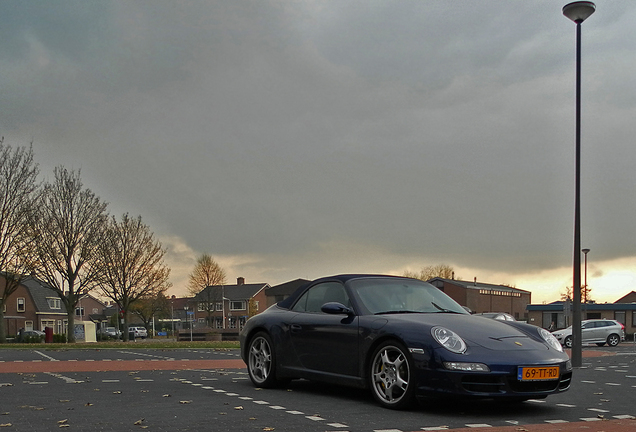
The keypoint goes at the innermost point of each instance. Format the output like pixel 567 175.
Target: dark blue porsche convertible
pixel 401 338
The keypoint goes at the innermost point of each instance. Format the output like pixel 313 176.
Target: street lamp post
pixel 585 252
pixel 577 12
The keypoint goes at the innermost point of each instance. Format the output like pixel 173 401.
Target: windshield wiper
pixel 398 312
pixel 443 310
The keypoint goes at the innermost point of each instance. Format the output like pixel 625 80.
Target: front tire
pixel 261 361
pixel 391 376
pixel 568 342
pixel 613 340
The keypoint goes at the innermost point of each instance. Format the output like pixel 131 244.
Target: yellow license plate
pixel 538 373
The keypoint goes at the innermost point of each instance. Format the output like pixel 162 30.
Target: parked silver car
pixel 139 332
pixel 598 331
pixel 111 332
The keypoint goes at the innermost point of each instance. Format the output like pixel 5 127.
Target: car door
pixel 325 342
pixel 588 330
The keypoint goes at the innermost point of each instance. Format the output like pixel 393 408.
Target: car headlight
pixel 449 339
pixel 552 341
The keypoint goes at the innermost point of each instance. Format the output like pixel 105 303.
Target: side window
pixel 320 294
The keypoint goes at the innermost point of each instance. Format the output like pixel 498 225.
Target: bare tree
pixel 68 224
pixel 146 308
pixel 130 265
pixel 207 273
pixel 443 271
pixel 18 188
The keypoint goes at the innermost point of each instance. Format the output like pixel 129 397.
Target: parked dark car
pixel 30 336
pixel 401 338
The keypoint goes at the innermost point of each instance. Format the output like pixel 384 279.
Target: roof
pixel 40 291
pixel 343 278
pixel 286 288
pixel 559 306
pixel 629 298
pixel 480 285
pixel 230 292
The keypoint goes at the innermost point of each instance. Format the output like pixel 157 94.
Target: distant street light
pixel 577 12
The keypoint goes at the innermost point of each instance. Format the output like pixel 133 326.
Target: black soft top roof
pixel 343 278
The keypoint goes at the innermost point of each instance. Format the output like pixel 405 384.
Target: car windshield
pixel 390 296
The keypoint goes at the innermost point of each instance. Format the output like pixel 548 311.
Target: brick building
pixel 482 297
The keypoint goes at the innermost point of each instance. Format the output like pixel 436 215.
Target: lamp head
pixel 585 251
pixel 579 11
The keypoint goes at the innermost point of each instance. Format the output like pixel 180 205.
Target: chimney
pixel 475 280
pixel 240 281
pixel 453 276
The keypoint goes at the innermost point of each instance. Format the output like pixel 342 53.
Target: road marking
pixel 556 421
pixel 476 425
pixel 110 380
pixel 624 417
pixel 45 356
pixel 566 405
pixel 590 419
pixel 315 418
pixel 598 410
pixel 62 377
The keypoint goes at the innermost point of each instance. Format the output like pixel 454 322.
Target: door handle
pixel 296 328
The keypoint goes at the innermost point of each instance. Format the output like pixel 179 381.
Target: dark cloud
pixel 318 137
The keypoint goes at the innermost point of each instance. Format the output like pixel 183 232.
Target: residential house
pixel 280 292
pixel 227 307
pixel 483 297
pixel 34 306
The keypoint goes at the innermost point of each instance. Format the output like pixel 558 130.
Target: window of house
pixel 219 306
pixel 232 322
pixel 620 317
pixel 201 320
pixel 79 311
pixel 47 323
pixel 218 322
pixel 242 321
pixel 95 311
pixel 54 303
pixel 28 325
pixel 237 305
pixel 21 307
pixel 201 307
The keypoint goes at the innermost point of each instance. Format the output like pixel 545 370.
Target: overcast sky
pixel 299 139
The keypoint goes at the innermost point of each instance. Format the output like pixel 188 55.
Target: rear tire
pixel 261 361
pixel 568 342
pixel 613 340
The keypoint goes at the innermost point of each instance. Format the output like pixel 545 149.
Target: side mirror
pixel 335 308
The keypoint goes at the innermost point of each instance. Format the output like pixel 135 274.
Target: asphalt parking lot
pixel 182 390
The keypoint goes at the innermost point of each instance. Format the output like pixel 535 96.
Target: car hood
pixel 475 330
